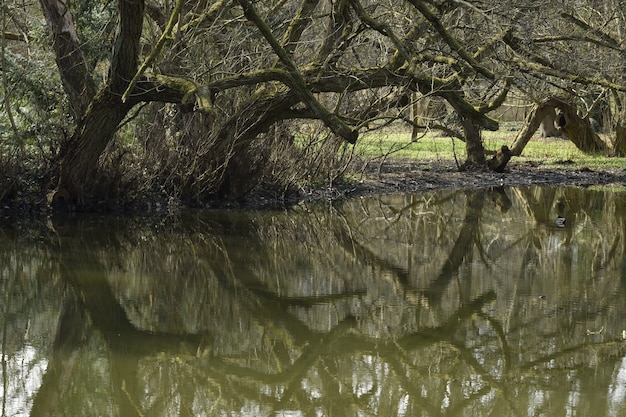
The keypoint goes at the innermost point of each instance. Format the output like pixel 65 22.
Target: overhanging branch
pixel 178 90
pixel 450 40
pixel 167 33
pixel 295 80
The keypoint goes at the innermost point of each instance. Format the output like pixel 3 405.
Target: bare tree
pixel 234 72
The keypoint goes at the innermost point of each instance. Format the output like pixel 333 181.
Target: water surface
pixel 452 303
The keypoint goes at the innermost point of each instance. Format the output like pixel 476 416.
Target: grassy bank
pixel 548 152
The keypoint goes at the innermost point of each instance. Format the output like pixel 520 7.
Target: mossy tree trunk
pixel 100 112
pixel 574 127
pixel 100 120
pixel 475 150
pixel 579 130
pixel 80 155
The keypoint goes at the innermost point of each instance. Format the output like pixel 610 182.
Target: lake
pixel 496 302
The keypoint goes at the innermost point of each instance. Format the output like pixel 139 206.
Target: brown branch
pixel 499 98
pixel 295 80
pixel 10 36
pixel 535 64
pixel 338 36
pixel 381 28
pixel 207 17
pixel 535 68
pixel 299 23
pixel 571 38
pixel 157 48
pixel 583 25
pixel 450 40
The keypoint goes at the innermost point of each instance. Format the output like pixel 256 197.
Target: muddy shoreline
pixel 392 176
pixel 402 176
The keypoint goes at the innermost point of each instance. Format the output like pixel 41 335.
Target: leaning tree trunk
pixel 547 128
pixel 574 127
pixel 99 120
pixel 81 154
pixel 579 130
pixel 533 121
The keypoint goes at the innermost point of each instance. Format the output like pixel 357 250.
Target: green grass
pixel 549 152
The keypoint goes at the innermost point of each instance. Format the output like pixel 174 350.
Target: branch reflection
pixel 450 303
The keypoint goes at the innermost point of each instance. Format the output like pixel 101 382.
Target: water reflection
pixel 441 304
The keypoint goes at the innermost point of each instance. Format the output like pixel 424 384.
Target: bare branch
pixel 450 40
pixel 10 36
pixel 157 48
pixel 608 40
pixel 299 23
pixel 295 80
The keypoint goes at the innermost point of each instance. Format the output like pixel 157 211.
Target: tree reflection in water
pixel 451 303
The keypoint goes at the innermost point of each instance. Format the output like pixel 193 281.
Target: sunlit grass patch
pixel 550 152
pixel 430 146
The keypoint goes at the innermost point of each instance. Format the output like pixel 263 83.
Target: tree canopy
pixel 207 99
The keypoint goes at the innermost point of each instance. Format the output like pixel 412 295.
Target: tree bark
pixel 579 130
pixel 73 67
pixel 127 47
pixel 498 162
pixel 473 144
pixel 619 146
pixel 81 154
pixel 100 119
pixel 547 128
pixel 574 127
pixel 532 123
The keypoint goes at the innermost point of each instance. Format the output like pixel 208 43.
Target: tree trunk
pixel 547 127
pixel 73 67
pixel 532 123
pixel 98 116
pixel 577 129
pixel 619 146
pixel 473 144
pixel 81 154
pixel 500 159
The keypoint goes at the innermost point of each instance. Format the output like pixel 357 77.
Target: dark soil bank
pixel 393 176
pixel 414 176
